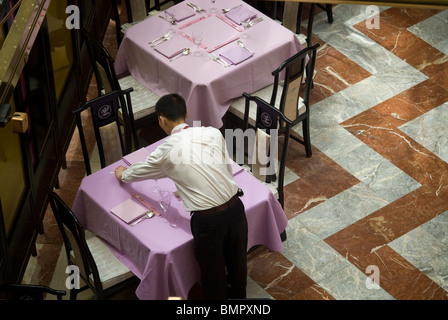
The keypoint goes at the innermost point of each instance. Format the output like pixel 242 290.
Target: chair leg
pixel 299 17
pixel 117 21
pixel 73 294
pixel 306 137
pixel 329 9
pixel 283 235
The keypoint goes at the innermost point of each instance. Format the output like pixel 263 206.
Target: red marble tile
pixel 334 72
pixel 365 236
pixel 315 292
pixel 320 179
pixel 400 278
pixel 280 278
pixel 356 241
pixel 393 21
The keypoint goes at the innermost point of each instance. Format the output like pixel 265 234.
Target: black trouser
pixel 221 242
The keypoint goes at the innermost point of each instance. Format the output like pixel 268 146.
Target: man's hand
pixel 118 172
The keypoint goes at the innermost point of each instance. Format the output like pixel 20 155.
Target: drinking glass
pixel 197 39
pixel 170 17
pixel 165 203
pixel 156 187
pixel 213 9
pixel 245 19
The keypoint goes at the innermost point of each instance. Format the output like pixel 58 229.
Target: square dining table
pixel 208 87
pixel 160 255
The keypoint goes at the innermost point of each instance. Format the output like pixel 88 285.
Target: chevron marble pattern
pixel 372 202
pixel 368 212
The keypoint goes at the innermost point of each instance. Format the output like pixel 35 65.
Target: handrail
pixel 436 4
pixel 5 18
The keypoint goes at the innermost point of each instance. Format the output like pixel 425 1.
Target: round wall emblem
pixel 105 111
pixel 266 119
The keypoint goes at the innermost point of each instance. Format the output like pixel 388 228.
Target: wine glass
pixel 213 9
pixel 197 39
pixel 156 187
pixel 245 19
pixel 170 17
pixel 165 203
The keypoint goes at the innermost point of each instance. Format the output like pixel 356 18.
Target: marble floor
pixel 368 213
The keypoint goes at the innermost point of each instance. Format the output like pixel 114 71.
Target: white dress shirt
pixel 196 159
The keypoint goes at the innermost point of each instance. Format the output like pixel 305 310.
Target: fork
pixel 216 59
pixel 160 38
pixel 195 7
pixel 163 39
pixel 254 22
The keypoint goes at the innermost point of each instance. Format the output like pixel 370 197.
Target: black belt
pixel 219 208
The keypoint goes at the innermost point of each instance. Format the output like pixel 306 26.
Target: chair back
pixel 76 248
pixel 267 123
pixel 111 141
pixel 310 18
pixel 102 64
pixel 297 75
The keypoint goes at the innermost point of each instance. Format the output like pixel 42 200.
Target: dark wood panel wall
pixel 52 125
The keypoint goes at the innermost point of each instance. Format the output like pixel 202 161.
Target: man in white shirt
pixel 196 159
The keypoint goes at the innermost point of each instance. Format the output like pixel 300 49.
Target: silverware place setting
pixel 147 215
pixel 172 21
pixel 184 52
pixel 194 7
pixel 162 39
pixel 240 43
pixel 217 59
pixel 227 10
pixel 254 22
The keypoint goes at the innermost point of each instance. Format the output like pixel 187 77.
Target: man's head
pixel 171 110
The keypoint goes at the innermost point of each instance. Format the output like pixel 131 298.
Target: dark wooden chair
pixel 143 99
pixel 115 136
pixel 99 269
pixel 28 292
pixel 289 94
pixel 307 39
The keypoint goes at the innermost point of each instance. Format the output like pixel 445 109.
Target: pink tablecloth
pixel 162 256
pixel 207 87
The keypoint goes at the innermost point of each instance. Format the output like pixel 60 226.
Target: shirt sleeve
pixel 152 168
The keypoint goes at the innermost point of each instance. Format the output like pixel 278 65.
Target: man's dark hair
pixel 171 106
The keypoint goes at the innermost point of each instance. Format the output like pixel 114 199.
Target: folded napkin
pixel 235 14
pixel 129 211
pixel 169 48
pixel 236 55
pixel 181 13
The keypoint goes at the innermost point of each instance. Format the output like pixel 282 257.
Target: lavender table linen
pixel 207 87
pixel 162 257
